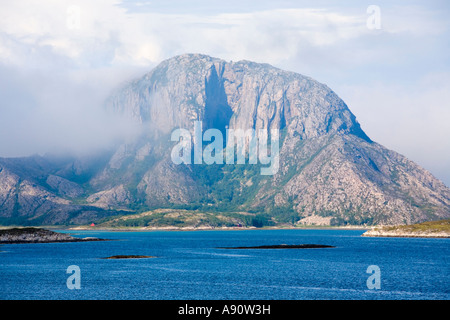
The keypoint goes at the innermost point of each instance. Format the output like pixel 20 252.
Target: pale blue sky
pixel 60 59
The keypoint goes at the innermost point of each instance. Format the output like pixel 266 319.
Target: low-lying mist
pixel 61 112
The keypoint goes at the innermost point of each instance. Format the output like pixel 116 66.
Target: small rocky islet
pixel 283 246
pixel 130 256
pixel 38 235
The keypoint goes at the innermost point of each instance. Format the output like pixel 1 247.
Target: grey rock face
pixel 330 170
pixel 115 197
pixel 9 184
pixel 27 198
pixel 328 165
pixel 352 180
pixel 36 235
pixel 239 95
pixel 22 197
pixel 64 186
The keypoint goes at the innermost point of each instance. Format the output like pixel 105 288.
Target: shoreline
pixel 372 231
pixel 38 235
pixel 200 228
pixel 399 234
pixel 149 229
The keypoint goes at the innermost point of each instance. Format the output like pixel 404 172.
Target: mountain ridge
pixel 328 167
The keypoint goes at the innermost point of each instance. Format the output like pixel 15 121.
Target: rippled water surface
pixel 189 265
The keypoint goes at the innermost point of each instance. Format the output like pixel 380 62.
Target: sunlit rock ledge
pixel 431 229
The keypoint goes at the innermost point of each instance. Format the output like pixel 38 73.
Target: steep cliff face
pixel 328 165
pixel 240 95
pixel 37 191
pixel 23 198
pixel 329 169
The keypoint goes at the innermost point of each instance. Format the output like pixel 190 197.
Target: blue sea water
pixel 189 265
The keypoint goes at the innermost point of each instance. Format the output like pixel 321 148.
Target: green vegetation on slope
pixel 429 226
pixel 186 218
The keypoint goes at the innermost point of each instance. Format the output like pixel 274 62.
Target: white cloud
pixel 120 37
pixel 134 38
pixel 388 77
pixel 415 20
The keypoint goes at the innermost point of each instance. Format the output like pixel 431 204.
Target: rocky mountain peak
pixel 330 171
pixel 239 94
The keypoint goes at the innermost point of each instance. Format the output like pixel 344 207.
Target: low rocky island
pixel 38 235
pixel 283 246
pixel 129 257
pixel 430 229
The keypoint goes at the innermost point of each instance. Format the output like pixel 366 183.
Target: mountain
pixel 329 171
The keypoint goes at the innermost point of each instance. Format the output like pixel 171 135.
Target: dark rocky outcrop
pixel 284 246
pixel 128 257
pixel 38 235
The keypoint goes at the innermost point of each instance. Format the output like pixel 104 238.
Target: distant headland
pixel 430 229
pixel 38 235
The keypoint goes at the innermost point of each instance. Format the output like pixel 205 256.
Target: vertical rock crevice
pixel 217 112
